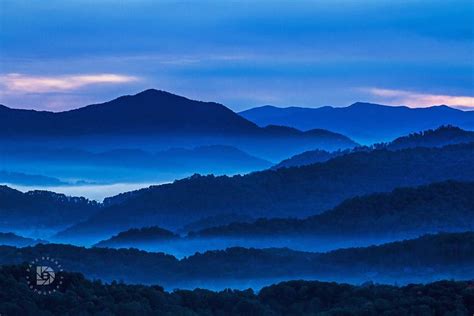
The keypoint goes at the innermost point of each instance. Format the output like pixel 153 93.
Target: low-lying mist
pixel 95 192
pixel 184 247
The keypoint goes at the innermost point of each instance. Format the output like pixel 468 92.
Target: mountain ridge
pixel 134 113
pixel 429 257
pixel 39 208
pixel 151 234
pixel 444 206
pixel 297 191
pixel 12 239
pixel 369 122
pixel 159 119
pixel 441 136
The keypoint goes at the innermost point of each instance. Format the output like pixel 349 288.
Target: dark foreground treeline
pixel 83 297
pixel 425 259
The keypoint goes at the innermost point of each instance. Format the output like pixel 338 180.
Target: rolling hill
pixel 295 192
pixel 442 136
pixel 309 157
pixel 42 209
pixel 428 258
pixel 27 179
pixel 437 207
pixel 133 236
pixel 11 239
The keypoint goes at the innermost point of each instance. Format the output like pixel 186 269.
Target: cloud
pixel 415 99
pixel 19 83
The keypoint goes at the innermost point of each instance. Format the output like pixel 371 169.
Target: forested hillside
pixel 295 192
pixel 445 206
pixel 428 258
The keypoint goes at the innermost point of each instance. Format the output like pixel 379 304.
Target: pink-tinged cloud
pixel 44 84
pixel 414 99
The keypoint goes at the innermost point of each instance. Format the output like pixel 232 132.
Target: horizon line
pixel 454 107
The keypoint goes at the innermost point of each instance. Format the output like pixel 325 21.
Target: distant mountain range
pixel 296 192
pixel 406 212
pixel 425 259
pixel 442 136
pixel 159 120
pixel 365 122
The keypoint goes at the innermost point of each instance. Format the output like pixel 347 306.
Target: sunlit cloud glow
pixel 414 99
pixel 44 84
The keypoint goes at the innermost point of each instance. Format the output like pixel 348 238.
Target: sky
pixel 57 55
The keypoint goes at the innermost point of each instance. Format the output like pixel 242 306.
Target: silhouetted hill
pixel 159 119
pixel 286 298
pixel 35 209
pixel 11 239
pixel 27 179
pixel 445 206
pixel 308 158
pixel 297 192
pixel 424 259
pixel 442 136
pixel 365 122
pixel 149 111
pixel 142 235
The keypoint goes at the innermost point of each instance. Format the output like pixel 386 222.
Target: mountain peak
pixel 149 98
pixel 368 105
pixel 151 90
pixel 444 107
pixel 155 111
pixel 363 104
pixel 156 93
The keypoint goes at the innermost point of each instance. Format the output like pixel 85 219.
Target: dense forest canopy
pixel 445 206
pixel 426 258
pixel 81 296
pixel 144 234
pixel 42 208
pixel 441 136
pixel 299 191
